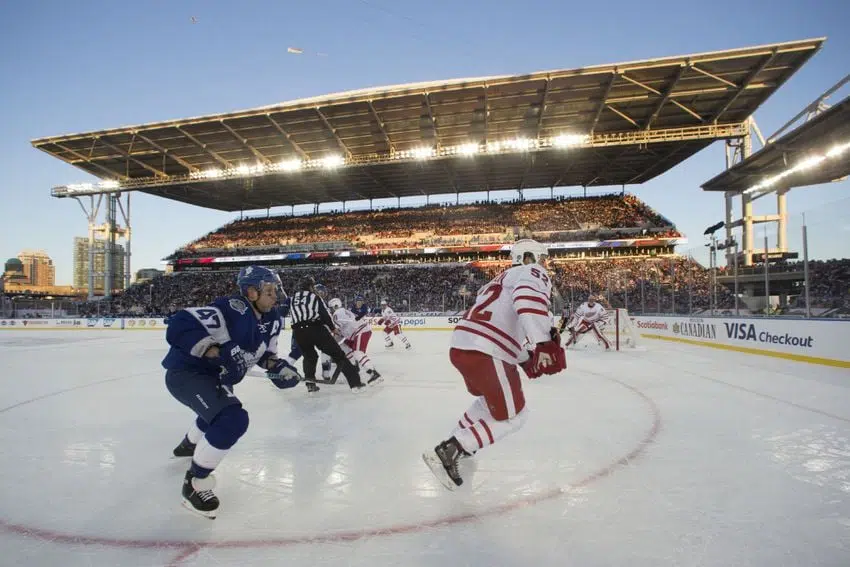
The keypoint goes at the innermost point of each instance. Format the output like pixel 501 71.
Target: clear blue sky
pixel 79 66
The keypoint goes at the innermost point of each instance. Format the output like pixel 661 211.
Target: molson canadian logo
pixel 695 329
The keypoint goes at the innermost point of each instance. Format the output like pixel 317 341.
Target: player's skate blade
pixel 438 470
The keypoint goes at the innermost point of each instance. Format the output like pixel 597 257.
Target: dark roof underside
pixel 643 118
pixel 815 137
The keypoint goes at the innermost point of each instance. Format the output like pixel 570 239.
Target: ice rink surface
pixel 671 455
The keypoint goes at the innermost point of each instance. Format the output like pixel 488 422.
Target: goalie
pixel 589 316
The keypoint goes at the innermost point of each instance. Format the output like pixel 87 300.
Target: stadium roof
pixel 816 152
pixel 605 125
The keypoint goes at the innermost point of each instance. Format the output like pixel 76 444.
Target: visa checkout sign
pixel 819 341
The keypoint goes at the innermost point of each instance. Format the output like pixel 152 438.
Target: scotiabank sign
pixel 650 324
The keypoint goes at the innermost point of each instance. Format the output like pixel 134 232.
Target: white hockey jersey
pixel 512 308
pixel 349 326
pixel 590 314
pixel 389 318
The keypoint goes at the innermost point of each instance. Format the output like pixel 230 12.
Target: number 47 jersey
pixel 510 310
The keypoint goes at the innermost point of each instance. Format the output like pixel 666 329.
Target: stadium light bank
pixel 330 162
pixel 809 163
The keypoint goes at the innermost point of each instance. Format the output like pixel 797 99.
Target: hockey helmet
pixel 384 302
pixel 335 303
pixel 526 246
pixel 321 290
pixel 306 283
pixel 256 276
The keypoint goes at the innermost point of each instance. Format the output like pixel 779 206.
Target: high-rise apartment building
pixel 38 268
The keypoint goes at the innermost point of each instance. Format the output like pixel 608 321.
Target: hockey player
pixel 313 328
pixel 211 350
pixel 294 350
pixel 590 316
pixel 485 347
pixel 354 337
pixel 360 309
pixel 392 326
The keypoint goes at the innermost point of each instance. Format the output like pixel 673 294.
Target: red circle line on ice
pixel 188 548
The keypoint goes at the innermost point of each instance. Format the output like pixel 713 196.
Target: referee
pixel 310 327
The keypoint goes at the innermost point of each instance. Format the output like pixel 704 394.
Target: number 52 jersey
pixel 512 308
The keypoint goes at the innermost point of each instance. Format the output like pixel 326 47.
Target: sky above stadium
pixel 73 67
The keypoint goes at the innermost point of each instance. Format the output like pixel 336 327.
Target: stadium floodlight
pixel 289 165
pixel 809 163
pixel 212 173
pixel 467 149
pixel 569 140
pixel 493 147
pixel 333 161
pixel 423 152
pixel 836 151
pixel 243 170
pixel 521 144
pixel 109 184
pixel 79 188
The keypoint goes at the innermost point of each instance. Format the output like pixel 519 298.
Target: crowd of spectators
pixel 562 219
pixel 640 284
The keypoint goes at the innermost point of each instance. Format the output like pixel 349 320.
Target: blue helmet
pixel 256 276
pixel 321 289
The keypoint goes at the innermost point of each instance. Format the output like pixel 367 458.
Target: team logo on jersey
pixel 264 327
pixel 238 305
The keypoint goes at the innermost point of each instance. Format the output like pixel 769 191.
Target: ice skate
pixel 375 377
pixel 311 387
pixel 184 449
pixel 198 495
pixel 443 462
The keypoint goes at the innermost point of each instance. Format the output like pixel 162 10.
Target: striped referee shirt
pixel 307 308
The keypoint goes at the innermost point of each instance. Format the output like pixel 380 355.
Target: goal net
pixel 617 329
pixel 620 331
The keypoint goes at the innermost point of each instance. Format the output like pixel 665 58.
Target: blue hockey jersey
pixel 359 312
pixel 192 331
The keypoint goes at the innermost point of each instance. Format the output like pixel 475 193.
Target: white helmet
pixel 527 246
pixel 384 302
pixel 335 303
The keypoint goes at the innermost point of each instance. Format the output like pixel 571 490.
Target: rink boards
pixel 821 341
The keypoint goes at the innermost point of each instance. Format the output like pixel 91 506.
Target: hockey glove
pixel 528 366
pixel 548 358
pixel 232 359
pixel 282 374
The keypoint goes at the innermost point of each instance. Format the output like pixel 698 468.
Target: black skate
pixel 198 495
pixel 311 387
pixel 184 449
pixel 375 378
pixel 443 462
